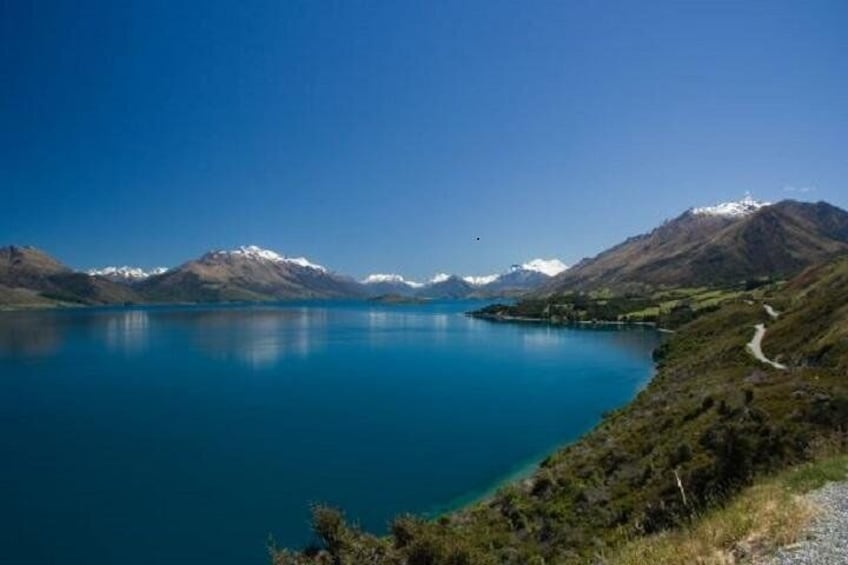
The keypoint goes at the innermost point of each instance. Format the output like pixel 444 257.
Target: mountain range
pixel 30 277
pixel 720 245
pixel 517 280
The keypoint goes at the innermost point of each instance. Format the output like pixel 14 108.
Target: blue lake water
pixel 189 434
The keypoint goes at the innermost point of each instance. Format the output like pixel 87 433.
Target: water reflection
pixel 635 342
pixel 28 334
pixel 440 322
pixel 257 338
pixel 383 326
pixel 378 320
pixel 541 338
pixel 128 332
pixel 261 336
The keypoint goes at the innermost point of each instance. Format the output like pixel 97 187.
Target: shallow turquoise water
pixel 188 435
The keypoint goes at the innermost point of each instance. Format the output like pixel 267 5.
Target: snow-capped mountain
pixel 446 286
pixel 125 273
pixel 550 267
pixel 380 284
pixel 520 276
pixel 390 278
pixel 720 245
pixel 737 209
pixel 482 280
pixel 257 253
pixel 249 273
pixel 726 244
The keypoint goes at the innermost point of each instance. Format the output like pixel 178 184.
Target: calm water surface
pixel 188 435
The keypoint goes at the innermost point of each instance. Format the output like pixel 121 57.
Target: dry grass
pixel 761 519
pixel 766 516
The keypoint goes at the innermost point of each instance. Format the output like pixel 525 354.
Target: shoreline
pixel 519 473
pixel 525 471
pixel 565 323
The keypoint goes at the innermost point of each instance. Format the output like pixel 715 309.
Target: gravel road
pixel 827 539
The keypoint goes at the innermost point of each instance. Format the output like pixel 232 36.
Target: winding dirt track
pixel 771 311
pixel 755 346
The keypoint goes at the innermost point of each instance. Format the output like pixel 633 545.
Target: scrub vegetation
pixel 667 308
pixel 712 423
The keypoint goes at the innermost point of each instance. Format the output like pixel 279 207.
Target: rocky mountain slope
pixel 248 273
pixel 719 245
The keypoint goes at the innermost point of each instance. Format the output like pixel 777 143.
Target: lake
pixel 191 434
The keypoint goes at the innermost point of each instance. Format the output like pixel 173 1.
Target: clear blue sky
pixel 388 136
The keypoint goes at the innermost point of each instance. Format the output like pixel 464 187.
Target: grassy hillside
pixel 13 298
pixel 711 421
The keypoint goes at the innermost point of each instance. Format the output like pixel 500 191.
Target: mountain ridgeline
pixel 717 246
pixel 29 277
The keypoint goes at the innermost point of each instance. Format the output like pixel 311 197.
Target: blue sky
pixel 388 136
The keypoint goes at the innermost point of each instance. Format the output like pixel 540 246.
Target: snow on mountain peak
pixel 737 209
pixel 550 267
pixel 381 278
pixel 389 278
pixel 126 272
pixel 481 281
pixel 304 262
pixel 257 253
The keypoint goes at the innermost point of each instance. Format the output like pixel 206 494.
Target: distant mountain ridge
pixel 381 284
pixel 517 280
pixel 719 245
pixel 247 273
